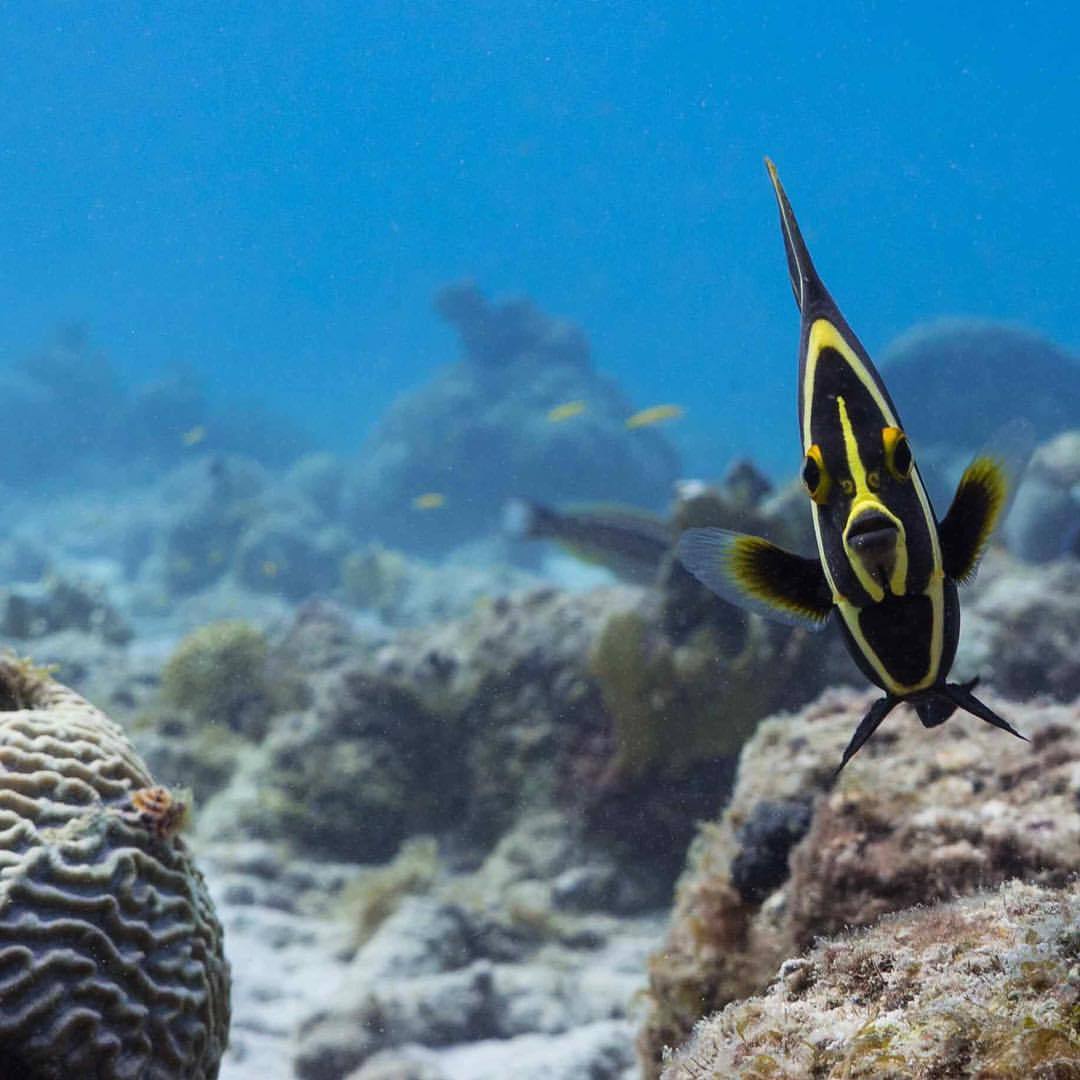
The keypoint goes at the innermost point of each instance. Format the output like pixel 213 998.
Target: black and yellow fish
pixel 886 569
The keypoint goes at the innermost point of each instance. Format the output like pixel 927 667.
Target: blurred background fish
pixel 430 500
pixel 567 411
pixel 655 414
pixel 631 543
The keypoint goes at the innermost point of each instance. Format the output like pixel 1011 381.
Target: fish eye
pixel 873 480
pixel 847 486
pixel 897 452
pixel 815 476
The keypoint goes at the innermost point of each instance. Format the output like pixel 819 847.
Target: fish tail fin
pixel 936 710
pixel 966 700
pixel 867 726
pixel 524 520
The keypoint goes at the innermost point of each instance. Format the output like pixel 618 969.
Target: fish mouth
pixel 872 535
pixel 874 541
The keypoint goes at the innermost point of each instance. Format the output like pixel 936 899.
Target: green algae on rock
pixel 986 986
pixel 111 955
pixel 219 673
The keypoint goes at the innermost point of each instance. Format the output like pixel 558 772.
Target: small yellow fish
pixel 270 568
pixel 567 411
pixel 656 414
pixel 430 500
pixel 194 436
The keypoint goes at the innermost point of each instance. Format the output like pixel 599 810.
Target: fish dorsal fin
pixel 983 498
pixel 752 573
pixel 805 283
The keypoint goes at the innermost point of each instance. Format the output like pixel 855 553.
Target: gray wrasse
pixel 886 568
pixel 631 543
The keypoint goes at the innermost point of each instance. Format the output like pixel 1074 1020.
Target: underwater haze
pixel 432 437
pixel 271 194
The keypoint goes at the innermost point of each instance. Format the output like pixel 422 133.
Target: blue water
pixel 271 193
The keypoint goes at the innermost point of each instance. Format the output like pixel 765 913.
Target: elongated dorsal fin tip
pixel 804 278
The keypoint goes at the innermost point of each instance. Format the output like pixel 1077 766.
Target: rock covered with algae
pixel 986 986
pixel 918 818
pixel 111 959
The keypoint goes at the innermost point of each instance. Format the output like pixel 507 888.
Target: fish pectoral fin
pixel 753 573
pixel 867 726
pixel 983 498
pixel 967 701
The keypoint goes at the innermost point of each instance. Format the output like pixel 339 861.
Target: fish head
pixel 875 528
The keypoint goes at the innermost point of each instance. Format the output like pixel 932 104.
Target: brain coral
pixel 111 962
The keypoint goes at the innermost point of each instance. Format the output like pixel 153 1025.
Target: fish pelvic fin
pixel 983 498
pixel 867 726
pixel 805 283
pixel 752 573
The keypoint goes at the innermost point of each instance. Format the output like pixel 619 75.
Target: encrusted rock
pixel 987 986
pixel 111 961
pixel 917 817
pixel 1020 628
pixel 1044 522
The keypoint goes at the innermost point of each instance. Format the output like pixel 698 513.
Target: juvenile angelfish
pixel 886 568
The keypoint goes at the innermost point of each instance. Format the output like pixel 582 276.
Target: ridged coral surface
pixel 111 961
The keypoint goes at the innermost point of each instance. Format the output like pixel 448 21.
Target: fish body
pixel 631 543
pixel 655 414
pixel 886 568
pixel 566 411
pixel 430 500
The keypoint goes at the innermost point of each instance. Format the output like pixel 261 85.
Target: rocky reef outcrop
pixel 1044 522
pixel 72 415
pixel 480 433
pixel 957 381
pixel 985 986
pixel 918 818
pixel 111 959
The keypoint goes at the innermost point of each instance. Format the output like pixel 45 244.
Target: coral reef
pixel 928 815
pixel 34 611
pixel 219 673
pixel 375 577
pixel 210 502
pixel 478 434
pixel 485 969
pixel 290 553
pixel 71 416
pixel 110 949
pixel 997 371
pixel 318 478
pixel 364 767
pixel 674 705
pixel 985 986
pixel 1044 522
pixel 377 893
pixel 1021 624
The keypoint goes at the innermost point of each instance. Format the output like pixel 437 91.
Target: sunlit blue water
pixel 271 193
